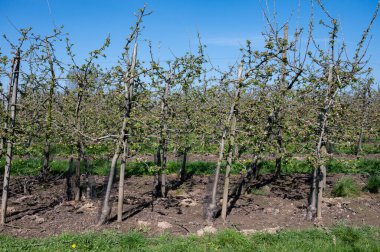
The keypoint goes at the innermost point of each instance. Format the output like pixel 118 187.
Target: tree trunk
pixel 254 168
pixel 46 162
pixel 278 113
pixel 123 141
pixel 1 147
pixel 121 183
pixel 278 165
pixel 311 210
pixel 106 208
pixel 157 175
pixel 359 145
pixel 322 168
pixel 319 173
pixel 280 149
pixel 211 211
pixel 2 140
pixel 321 187
pixel 161 189
pixel 318 177
pixel 157 157
pixel 77 187
pixel 6 108
pixel 69 174
pixel 163 169
pixel 10 137
pixel 182 172
pixel 364 118
pixel 228 167
pixel 125 130
pixel 90 181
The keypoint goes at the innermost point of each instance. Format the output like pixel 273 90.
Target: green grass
pixel 373 184
pixel 340 238
pixel 346 187
pixel 369 166
pixel 101 167
pixel 367 148
pixel 32 166
pixel 290 166
pixel 36 150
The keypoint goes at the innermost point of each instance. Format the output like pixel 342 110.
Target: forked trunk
pixel 212 208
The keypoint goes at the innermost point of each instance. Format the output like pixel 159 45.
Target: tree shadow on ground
pixel 242 187
pixel 133 211
pixel 20 214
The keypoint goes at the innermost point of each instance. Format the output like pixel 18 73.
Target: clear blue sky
pixel 224 25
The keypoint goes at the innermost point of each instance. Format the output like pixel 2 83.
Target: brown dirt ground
pixel 214 158
pixel 43 211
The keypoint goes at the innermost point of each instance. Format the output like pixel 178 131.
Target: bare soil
pixel 37 210
pixel 214 158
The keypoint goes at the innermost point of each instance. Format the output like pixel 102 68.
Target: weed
pixel 373 184
pixel 346 187
pixel 263 191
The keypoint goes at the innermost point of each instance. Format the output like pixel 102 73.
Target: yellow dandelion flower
pixel 73 246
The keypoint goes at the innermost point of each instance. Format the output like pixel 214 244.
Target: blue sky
pixel 224 25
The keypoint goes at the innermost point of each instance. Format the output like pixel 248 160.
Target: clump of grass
pixel 373 184
pixel 200 167
pixel 179 191
pixel 230 239
pixel 263 191
pixel 346 187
